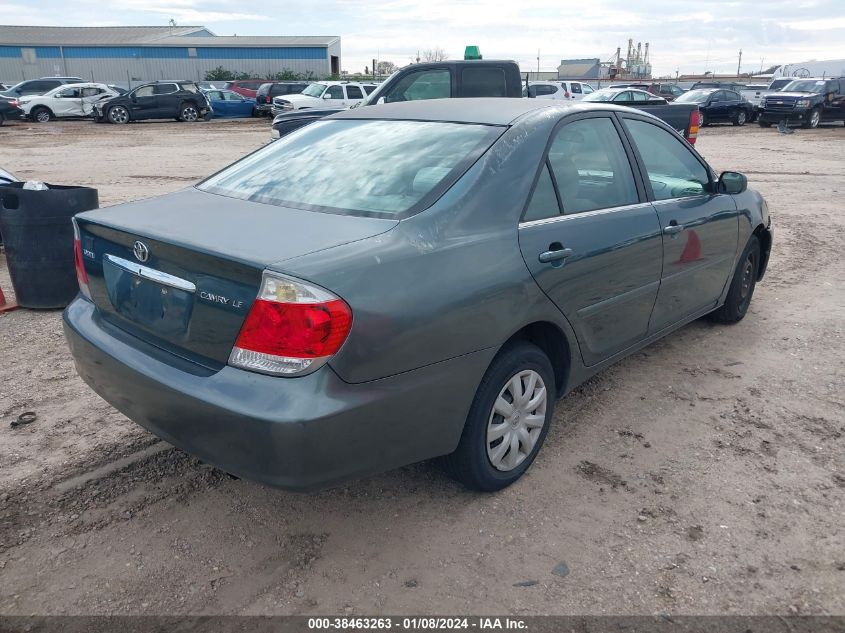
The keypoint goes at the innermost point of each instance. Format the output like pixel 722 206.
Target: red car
pixel 245 87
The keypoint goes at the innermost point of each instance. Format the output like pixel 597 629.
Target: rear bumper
pixel 295 433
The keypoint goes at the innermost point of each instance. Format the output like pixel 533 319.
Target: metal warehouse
pixel 144 53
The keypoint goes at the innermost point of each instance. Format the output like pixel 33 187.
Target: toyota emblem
pixel 142 253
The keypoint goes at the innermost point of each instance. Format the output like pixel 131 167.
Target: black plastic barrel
pixel 38 238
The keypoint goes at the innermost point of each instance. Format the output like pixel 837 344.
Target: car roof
pixel 483 110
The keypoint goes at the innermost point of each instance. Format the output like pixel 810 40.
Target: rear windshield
pixel 361 167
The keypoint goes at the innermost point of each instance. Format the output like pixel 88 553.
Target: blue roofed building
pixel 121 54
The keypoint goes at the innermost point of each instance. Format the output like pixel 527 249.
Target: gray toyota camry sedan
pixel 407 281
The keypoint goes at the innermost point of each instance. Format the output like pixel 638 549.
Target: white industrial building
pixel 121 54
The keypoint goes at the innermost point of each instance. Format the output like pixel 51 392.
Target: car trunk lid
pixel 182 271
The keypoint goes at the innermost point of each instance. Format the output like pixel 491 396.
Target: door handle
pixel 555 255
pixel 673 229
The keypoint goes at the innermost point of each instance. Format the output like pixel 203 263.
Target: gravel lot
pixel 704 474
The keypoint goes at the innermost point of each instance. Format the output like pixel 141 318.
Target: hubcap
pixel 814 118
pixel 189 114
pixel 516 420
pixel 118 115
pixel 747 276
pixel 42 117
pixel 741 118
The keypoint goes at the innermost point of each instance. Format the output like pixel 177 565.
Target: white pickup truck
pixel 756 93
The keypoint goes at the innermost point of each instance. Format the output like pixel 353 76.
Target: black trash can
pixel 38 238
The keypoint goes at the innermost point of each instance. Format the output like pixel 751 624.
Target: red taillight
pixel 694 124
pixel 79 263
pixel 566 94
pixel 291 329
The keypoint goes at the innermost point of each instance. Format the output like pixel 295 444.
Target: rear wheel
pixel 702 120
pixel 740 118
pixel 41 115
pixel 508 420
pixel 118 114
pixel 742 285
pixel 2 118
pixel 189 112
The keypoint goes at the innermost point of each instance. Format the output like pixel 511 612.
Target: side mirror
pixel 326 95
pixel 58 95
pixel 380 100
pixel 732 182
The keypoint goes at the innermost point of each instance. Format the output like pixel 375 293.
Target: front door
pixel 67 102
pixel 143 102
pixel 590 238
pixel 700 229
pixel 334 97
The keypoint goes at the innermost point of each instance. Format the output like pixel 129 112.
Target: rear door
pixel 354 94
pixel 591 239
pixel 577 93
pixel 482 81
pixel 167 100
pixel 700 229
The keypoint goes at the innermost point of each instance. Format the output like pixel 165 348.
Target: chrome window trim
pixel 152 274
pixel 581 214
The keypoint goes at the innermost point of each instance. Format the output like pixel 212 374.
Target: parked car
pixel 225 103
pixel 4 86
pixel 6 177
pixel 180 100
pixel 557 90
pixel 807 102
pixel 668 91
pixel 755 94
pixel 268 91
pixel 245 87
pixel 623 96
pixel 300 318
pixel 325 94
pixel 69 100
pixel 719 106
pixel 9 110
pixel 724 85
pixel 38 86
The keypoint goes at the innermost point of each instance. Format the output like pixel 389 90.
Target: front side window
pixel 233 96
pixel 483 82
pixel 70 93
pixel 425 84
pixel 335 92
pixel 310 168
pixel 590 166
pixel 673 170
pixel 144 91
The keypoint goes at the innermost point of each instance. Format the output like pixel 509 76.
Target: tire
pixel 479 462
pixel 740 118
pixel 189 113
pixel 813 121
pixel 742 286
pixel 764 124
pixel 118 115
pixel 2 119
pixel 41 115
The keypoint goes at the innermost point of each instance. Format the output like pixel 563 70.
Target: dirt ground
pixel 704 474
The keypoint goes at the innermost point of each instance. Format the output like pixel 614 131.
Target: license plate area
pixel 156 301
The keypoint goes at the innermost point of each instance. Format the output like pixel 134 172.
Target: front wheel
pixel 118 114
pixel 508 420
pixel 813 120
pixel 188 112
pixel 41 115
pixel 742 285
pixel 740 118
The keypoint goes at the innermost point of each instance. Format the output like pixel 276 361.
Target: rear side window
pixel 369 89
pixel 673 170
pixel 190 88
pixel 590 166
pixel 576 88
pixel 164 89
pixel 228 85
pixel 544 200
pixel 310 169
pixel 483 82
pixel 354 92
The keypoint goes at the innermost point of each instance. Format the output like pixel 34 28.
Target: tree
pixel 219 74
pixel 386 68
pixel 436 54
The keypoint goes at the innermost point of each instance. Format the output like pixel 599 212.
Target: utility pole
pixel 739 63
pixel 538 63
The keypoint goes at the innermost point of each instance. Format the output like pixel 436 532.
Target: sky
pixel 684 36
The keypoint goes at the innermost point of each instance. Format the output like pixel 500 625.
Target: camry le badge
pixel 142 253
